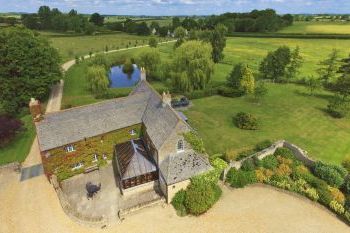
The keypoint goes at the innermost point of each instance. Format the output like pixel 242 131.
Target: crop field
pixel 318 28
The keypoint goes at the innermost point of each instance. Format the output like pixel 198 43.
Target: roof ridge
pixel 87 105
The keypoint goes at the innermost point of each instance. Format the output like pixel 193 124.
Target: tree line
pixel 53 19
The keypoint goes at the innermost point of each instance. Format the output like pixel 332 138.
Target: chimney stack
pixel 143 74
pixel 35 109
pixel 166 97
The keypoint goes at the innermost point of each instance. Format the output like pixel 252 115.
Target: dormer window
pixel 70 148
pixel 132 132
pixel 180 146
pixel 94 158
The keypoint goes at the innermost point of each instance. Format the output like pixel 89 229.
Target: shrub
pixel 337 195
pixel 179 202
pixel 263 175
pixel 283 160
pixel 246 121
pixel 9 127
pixel 201 196
pixel 336 207
pixel 346 185
pixel 230 92
pixel 283 170
pixel 195 141
pixel 263 145
pixel 282 182
pixel 285 152
pixel 299 172
pixel 240 178
pixel 311 193
pixel 244 154
pixel 269 162
pixel 338 107
pixel 248 165
pixel 346 163
pixel 347 216
pixel 332 174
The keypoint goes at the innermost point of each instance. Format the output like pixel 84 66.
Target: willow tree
pixel 97 79
pixel 192 66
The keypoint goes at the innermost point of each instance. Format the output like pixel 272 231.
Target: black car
pixel 183 102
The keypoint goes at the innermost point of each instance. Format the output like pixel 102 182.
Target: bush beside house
pixel 202 193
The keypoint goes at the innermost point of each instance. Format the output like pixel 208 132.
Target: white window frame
pixel 70 148
pixel 132 132
pixel 78 166
pixel 182 143
pixel 95 159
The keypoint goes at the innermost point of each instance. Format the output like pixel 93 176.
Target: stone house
pixel 144 134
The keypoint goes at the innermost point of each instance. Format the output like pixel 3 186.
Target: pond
pixel 120 79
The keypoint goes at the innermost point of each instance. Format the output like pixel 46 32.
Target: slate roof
pixel 143 105
pixel 182 166
pixel 133 159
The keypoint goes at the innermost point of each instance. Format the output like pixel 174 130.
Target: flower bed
pixel 326 184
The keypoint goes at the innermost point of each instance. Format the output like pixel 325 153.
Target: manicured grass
pixel 288 112
pixel 18 149
pixel 253 50
pixel 318 28
pixel 70 46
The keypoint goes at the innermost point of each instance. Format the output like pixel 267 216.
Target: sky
pixel 178 7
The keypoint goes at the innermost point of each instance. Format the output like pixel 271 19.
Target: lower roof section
pixel 182 166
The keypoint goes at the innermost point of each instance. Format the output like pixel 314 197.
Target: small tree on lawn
pixel 295 64
pixel 260 91
pixel 242 78
pixel 328 69
pixel 153 42
pixel 274 64
pixel 313 84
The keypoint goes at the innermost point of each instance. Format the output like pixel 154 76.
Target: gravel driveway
pixel 32 206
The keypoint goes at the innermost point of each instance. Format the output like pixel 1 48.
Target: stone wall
pixel 72 213
pixel 299 153
pixel 16 166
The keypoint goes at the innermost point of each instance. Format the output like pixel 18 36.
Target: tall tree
pixel 296 61
pixel 44 14
pixel 328 69
pixel 97 19
pixel 192 66
pixel 28 67
pixel 152 42
pixel 342 85
pixel 180 34
pixel 274 64
pixel 150 60
pixel 218 42
pixel 97 79
pixel 242 78
pixel 143 29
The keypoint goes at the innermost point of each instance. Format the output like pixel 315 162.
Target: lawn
pixel 288 112
pixel 318 28
pixel 18 149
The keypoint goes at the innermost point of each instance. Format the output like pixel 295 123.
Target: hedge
pixel 240 178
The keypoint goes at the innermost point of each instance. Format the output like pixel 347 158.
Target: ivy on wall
pixel 60 162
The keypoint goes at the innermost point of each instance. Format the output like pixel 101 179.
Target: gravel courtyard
pixel 32 206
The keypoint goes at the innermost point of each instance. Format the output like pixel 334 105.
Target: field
pixel 318 28
pixel 288 112
pixel 19 148
pixel 70 46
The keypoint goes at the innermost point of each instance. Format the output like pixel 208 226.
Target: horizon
pixel 178 7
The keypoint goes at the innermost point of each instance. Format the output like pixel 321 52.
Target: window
pixel 180 146
pixel 132 132
pixel 77 166
pixel 95 158
pixel 70 148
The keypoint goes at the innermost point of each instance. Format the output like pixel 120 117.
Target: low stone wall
pixel 72 213
pixel 299 153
